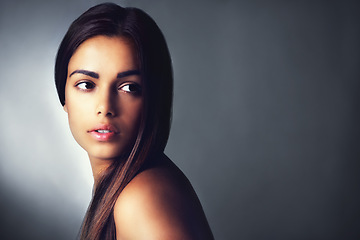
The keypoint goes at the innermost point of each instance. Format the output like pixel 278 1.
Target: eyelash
pixel 78 85
pixel 132 88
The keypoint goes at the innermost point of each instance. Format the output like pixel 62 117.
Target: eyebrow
pixel 96 75
pixel 128 73
pixel 86 72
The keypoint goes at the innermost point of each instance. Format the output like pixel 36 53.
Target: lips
pixel 103 132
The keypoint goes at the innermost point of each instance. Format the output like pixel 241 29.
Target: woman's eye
pixel 131 88
pixel 85 86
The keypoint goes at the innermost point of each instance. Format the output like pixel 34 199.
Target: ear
pixel 65 108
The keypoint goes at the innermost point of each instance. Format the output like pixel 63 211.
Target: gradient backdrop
pixel 266 117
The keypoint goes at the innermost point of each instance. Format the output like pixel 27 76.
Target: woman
pixel 114 78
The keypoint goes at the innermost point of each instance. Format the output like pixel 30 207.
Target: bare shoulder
pixel 160 203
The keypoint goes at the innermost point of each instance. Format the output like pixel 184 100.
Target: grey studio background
pixel 265 126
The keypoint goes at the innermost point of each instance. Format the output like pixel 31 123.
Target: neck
pixel 98 167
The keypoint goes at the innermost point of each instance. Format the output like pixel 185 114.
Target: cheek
pixel 78 114
pixel 75 119
pixel 131 114
pixel 77 104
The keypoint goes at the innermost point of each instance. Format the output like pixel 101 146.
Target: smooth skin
pixel 95 95
pixel 160 203
pixel 103 88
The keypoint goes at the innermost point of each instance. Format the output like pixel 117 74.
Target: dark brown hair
pixel 156 73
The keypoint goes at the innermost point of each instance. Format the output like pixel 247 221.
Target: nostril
pixel 106 109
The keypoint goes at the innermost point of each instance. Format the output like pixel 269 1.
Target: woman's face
pixel 103 96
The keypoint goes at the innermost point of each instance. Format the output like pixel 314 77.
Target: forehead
pixel 103 52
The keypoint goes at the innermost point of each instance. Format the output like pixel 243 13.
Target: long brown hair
pixel 156 73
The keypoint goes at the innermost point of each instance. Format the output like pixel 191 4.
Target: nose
pixel 106 104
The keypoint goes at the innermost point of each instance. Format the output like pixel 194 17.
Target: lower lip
pixel 103 137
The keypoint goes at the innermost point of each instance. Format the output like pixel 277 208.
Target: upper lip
pixel 103 126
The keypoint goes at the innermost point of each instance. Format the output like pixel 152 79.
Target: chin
pixel 104 155
pixel 107 153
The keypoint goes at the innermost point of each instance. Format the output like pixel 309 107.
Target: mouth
pixel 103 132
